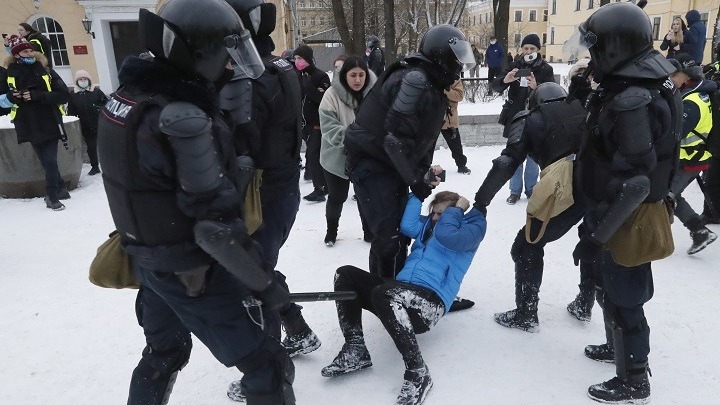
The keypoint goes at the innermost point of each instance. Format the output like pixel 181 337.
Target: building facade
pixel 113 32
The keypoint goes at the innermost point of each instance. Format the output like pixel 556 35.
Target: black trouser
pixel 338 189
pixel 90 138
pixel 394 303
pixel 683 210
pixel 626 290
pixel 47 154
pixel 312 159
pixel 712 188
pixel 492 72
pixel 528 257
pixel 217 318
pixel 382 196
pixel 452 137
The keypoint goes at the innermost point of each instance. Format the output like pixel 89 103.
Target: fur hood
pixel 38 56
pixel 344 95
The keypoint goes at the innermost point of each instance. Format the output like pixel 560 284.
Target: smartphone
pixel 441 175
pixel 430 176
pixel 522 73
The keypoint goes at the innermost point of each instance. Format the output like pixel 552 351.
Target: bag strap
pixel 528 224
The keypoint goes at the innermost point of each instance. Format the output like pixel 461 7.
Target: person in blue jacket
pixel 445 243
pixel 696 36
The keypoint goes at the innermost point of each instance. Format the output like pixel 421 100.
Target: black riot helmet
pixel 257 16
pixel 615 34
pixel 199 47
pixel 446 46
pixel 545 93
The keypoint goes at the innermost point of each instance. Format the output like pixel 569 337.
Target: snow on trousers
pixel 404 309
pixel 217 318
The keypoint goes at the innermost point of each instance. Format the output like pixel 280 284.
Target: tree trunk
pixel 390 45
pixel 715 52
pixel 342 25
pixel 501 10
pixel 358 24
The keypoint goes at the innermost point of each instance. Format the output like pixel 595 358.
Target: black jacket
pixel 517 95
pixel 312 80
pixel 376 60
pixel 37 120
pixel 86 106
pixel 364 138
pixel 3 89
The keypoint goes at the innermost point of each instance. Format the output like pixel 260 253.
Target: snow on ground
pixel 64 341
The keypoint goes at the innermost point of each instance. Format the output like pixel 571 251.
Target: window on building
pixel 544 38
pixel 491 17
pixel 552 35
pixel 518 16
pixel 656 28
pixel 517 39
pixel 54 32
pixel 554 6
pixel 704 19
pixel 322 20
pixel 312 21
pixel 577 5
pixel 591 4
pixel 301 4
pixel 532 17
pixel 545 14
pixel 303 21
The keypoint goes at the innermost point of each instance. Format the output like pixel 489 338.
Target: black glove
pixel 421 190
pixel 481 208
pixel 37 96
pixel 274 297
pixel 588 249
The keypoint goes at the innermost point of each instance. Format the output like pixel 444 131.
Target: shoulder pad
pixel 516 129
pixel 184 119
pixel 521 115
pixel 416 79
pixel 631 98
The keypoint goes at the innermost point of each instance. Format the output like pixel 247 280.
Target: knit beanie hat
pixel 81 74
pixel 18 44
pixel 304 52
pixel 683 62
pixel 531 39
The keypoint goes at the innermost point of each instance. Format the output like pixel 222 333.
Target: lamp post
pixel 87 24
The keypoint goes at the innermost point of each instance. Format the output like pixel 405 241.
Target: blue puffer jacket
pixel 441 264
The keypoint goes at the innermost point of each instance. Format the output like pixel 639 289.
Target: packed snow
pixel 64 341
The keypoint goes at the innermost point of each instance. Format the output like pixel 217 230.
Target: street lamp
pixel 87 24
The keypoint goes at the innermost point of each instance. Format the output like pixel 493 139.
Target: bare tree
pixel 501 9
pixel 390 46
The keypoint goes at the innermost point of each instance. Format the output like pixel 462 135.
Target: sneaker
pixel 352 357
pixel 460 304
pixel 603 353
pixel 236 392
pixel 415 388
pixel 634 390
pixel 315 196
pixel 54 205
pixel 513 199
pixel 464 170
pixel 517 319
pixel 302 343
pixel 93 171
pixel 701 239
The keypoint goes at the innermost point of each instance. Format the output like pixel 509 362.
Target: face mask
pixel 493 42
pixel 301 64
pixel 26 60
pixel 530 57
pixel 83 84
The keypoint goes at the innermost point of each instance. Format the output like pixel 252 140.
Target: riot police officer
pixel 391 143
pixel 267 115
pixel 549 131
pixel 627 158
pixel 168 164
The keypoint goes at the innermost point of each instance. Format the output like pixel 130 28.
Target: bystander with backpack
pixel 695 153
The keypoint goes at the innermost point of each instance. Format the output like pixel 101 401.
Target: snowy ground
pixel 64 341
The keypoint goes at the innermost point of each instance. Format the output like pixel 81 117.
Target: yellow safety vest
pixel 11 83
pixel 692 147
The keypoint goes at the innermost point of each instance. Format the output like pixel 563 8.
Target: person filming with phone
pixel 522 77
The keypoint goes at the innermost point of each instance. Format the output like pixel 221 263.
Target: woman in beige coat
pixel 337 110
pixel 450 129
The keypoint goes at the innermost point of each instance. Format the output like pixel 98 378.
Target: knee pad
pixel 154 377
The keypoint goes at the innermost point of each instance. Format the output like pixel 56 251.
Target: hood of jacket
pixel 343 93
pixel 692 17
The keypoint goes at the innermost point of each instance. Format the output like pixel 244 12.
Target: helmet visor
pixel 463 53
pixel 247 62
pixel 579 43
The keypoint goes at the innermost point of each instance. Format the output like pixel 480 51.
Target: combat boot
pixel 299 339
pixel 353 356
pixel 581 307
pixel 632 389
pixel 701 239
